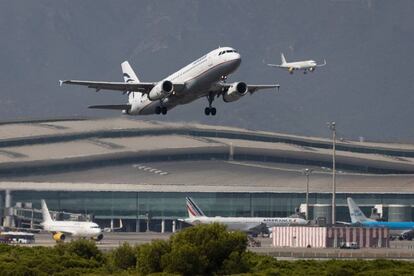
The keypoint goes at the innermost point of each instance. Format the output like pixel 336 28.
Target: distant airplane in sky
pixel 205 77
pixel 305 65
pixel 245 224
pixel 405 230
pixel 60 229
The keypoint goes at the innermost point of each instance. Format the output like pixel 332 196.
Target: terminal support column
pixel 8 211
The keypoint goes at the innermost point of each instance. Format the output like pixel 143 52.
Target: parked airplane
pixel 404 230
pixel 205 77
pixel 306 65
pixel 245 224
pixel 60 229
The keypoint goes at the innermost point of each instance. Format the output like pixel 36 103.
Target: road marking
pixel 149 169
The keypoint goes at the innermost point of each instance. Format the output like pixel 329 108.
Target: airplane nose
pixel 237 59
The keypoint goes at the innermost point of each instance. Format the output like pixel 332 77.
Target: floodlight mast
pixel 307 172
pixel 332 127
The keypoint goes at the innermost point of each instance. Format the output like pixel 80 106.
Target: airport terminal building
pixel 141 172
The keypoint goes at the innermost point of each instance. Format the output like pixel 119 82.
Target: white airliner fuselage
pixel 199 78
pixel 205 77
pixel 245 224
pixel 305 65
pixel 60 229
pixel 75 228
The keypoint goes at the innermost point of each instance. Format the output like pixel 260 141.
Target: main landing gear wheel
pixel 210 110
pixel 161 110
pixel 158 110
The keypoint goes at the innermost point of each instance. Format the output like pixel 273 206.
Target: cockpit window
pixel 227 51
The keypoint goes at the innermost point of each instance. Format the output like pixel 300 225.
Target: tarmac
pixel 399 250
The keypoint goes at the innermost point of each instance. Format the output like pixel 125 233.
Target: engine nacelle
pixel 161 90
pixel 59 237
pixel 98 238
pixel 235 92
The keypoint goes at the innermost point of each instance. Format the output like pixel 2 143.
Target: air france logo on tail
pixel 193 209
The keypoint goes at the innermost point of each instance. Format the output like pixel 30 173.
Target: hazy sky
pixel 367 86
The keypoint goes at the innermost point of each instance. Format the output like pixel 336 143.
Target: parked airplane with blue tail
pixel 403 230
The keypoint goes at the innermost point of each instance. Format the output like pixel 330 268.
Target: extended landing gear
pixel 210 110
pixel 161 110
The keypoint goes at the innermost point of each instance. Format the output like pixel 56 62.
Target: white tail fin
pixel 128 73
pixel 192 209
pixel 130 77
pixel 45 212
pixel 282 57
pixel 356 214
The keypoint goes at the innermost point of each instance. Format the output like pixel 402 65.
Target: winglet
pixel 60 83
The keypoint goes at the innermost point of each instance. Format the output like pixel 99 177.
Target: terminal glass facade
pixel 167 205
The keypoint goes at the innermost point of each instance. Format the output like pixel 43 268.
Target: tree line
pixel 199 250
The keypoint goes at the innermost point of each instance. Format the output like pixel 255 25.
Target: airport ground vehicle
pixel 17 237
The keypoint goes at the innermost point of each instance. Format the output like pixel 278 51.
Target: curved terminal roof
pixel 110 151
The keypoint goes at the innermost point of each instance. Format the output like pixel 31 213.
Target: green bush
pixel 124 257
pixel 149 256
pixel 199 250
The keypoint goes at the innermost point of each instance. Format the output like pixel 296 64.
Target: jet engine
pixel 235 92
pixel 59 237
pixel 161 90
pixel 98 238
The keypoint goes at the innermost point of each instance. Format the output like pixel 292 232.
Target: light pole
pixel 307 173
pixel 332 126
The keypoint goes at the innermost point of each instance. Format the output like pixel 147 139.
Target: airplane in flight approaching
pixel 306 65
pixel 404 230
pixel 60 229
pixel 205 77
pixel 244 224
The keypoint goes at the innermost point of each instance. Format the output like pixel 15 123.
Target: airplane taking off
pixel 205 77
pixel 306 65
pixel 60 229
pixel 244 224
pixel 404 230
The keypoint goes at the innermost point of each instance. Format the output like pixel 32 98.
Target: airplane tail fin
pixel 129 77
pixel 128 73
pixel 45 212
pixel 356 214
pixel 192 208
pixel 282 57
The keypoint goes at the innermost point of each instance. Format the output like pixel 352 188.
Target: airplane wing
pixel 144 87
pixel 112 106
pixel 323 64
pixel 251 87
pixel 275 65
pixel 118 86
pixel 345 223
pixel 258 228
